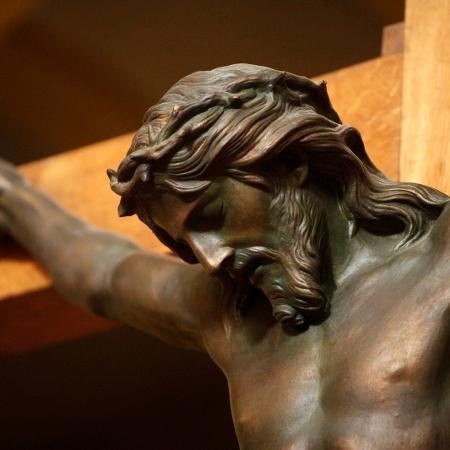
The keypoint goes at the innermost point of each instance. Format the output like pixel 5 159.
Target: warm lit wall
pixel 76 72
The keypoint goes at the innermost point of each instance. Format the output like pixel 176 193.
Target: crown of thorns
pixel 138 165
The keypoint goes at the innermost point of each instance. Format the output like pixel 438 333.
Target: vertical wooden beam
pixel 425 148
pixel 393 39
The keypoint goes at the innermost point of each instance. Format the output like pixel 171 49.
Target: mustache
pixel 246 260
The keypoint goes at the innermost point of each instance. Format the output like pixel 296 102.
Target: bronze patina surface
pixel 322 290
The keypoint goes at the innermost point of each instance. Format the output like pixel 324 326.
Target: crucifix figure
pixel 318 286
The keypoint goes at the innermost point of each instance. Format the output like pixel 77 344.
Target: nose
pixel 211 252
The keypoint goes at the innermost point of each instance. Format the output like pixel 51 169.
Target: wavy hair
pixel 237 121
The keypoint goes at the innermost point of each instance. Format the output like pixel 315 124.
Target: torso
pixel 375 375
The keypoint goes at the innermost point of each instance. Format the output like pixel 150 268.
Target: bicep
pixel 163 296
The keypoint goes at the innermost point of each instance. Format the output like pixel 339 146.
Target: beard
pixel 289 276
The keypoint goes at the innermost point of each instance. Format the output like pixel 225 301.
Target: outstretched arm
pixel 108 274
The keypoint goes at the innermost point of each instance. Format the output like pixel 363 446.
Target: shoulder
pixel 166 297
pixel 424 268
pixel 439 238
pixel 443 221
pixel 437 256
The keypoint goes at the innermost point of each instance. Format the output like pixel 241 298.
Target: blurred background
pixel 74 72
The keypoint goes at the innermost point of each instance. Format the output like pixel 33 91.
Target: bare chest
pixel 368 378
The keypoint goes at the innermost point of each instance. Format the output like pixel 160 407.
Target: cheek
pixel 248 221
pixel 165 213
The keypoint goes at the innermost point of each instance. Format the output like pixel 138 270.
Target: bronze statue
pixel 322 290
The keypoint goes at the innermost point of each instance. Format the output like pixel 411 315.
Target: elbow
pixel 96 304
pixel 84 290
pixel 87 279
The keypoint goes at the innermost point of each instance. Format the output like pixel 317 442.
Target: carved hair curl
pixel 236 120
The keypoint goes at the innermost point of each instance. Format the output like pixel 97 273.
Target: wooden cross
pixel 400 102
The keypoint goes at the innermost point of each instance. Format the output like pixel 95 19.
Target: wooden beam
pixel 70 178
pixel 37 319
pixel 425 149
pixel 368 96
pixel 32 315
pixel 393 39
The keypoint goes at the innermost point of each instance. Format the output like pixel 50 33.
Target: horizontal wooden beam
pixel 32 315
pixel 41 318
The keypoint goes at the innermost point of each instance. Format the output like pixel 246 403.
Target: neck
pixel 349 253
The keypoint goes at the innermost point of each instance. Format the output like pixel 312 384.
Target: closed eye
pixel 209 216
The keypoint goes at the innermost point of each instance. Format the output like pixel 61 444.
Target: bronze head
pixel 226 169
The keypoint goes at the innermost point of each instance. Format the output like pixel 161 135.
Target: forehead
pixel 170 211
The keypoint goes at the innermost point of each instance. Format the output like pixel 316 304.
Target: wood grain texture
pixel 425 149
pixel 393 39
pixel 37 319
pixel 32 314
pixel 70 178
pixel 366 96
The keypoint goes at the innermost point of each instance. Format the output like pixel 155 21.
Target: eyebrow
pixel 208 197
pixel 201 201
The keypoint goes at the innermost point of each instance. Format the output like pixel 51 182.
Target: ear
pixel 300 173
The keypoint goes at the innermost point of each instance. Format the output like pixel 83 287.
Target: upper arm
pixel 162 295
